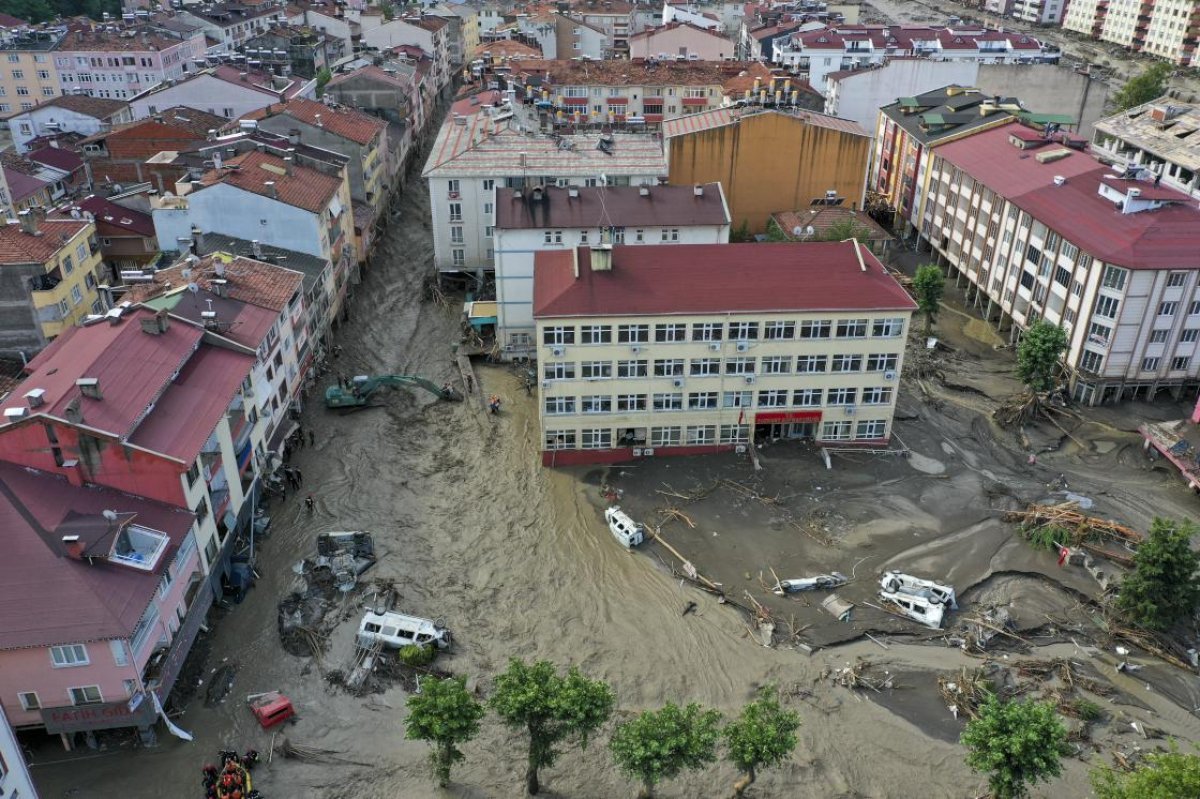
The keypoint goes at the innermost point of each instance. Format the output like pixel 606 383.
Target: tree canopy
pixel 658 745
pixel 928 284
pixel 1149 85
pixel 1016 744
pixel 1162 775
pixel 1162 588
pixel 1037 354
pixel 762 736
pixel 445 714
pixel 45 10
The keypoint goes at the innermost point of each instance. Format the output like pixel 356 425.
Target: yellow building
pixel 698 348
pixel 27 72
pixel 769 160
pixel 49 272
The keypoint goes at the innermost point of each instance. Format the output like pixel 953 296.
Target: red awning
pixel 695 101
pixel 575 101
pixel 618 101
pixel 772 417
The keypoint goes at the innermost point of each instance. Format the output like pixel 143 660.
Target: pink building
pixel 101 595
pixel 118 63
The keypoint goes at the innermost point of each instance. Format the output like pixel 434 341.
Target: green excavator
pixel 358 390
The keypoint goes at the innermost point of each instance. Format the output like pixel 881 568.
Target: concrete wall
pixel 771 162
pixel 19 327
pixel 245 215
pixel 691 42
pixel 1048 88
pixel 860 96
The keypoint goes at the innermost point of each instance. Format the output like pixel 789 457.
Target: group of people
pixel 232 779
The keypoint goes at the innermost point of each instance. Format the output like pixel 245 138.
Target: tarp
pixel 178 732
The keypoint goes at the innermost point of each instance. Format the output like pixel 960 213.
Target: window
pixel 86 695
pixel 560 439
pixel 702 434
pixel 453 186
pixel 810 363
pixel 877 395
pixel 632 368
pixel 819 329
pixel 489 184
pixel 559 405
pixel 119 652
pixel 639 236
pixel 1114 278
pixel 1156 336
pixel 704 367
pixel 807 397
pixel 873 428
pixel 18 74
pixel 1190 335
pixel 670 234
pixel 847 363
pixel 772 398
pixel 735 433
pixel 881 362
pixel 1167 308
pixel 631 402
pixel 670 332
pixel 595 369
pixel 740 366
pixel 666 436
pixel 888 328
pixel 1091 362
pixel 68 264
pixel 1062 276
pixel 459 257
pixel 1176 279
pixel 737 399
pixel 835 431
pixel 702 400
pixel 1180 362
pixel 777 364
pixel 456 234
pixel 558 335
pixel 668 367
pixel 841 396
pixel 552 237
pixel 1107 306
pixel 455 212
pixel 852 328
pixel 1076 288
pixel 779 331
pixel 633 334
pixel 29 700
pixel 743 331
pixel 707 331
pixel 595 334
pixel 1150 364
pixel 558 371
pixel 667 402
pixel 599 438
pixel 596 403
pixel 69 655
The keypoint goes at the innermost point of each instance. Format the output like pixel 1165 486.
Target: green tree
pixel 775 232
pixel 445 714
pixel 657 745
pixel 551 708
pixel 762 736
pixel 1149 85
pixel 30 10
pixel 741 233
pixel 1017 744
pixel 1163 775
pixel 1037 354
pixel 1162 588
pixel 844 229
pixel 928 284
pixel 323 77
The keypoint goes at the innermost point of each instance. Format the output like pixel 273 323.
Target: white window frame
pixel 71 693
pixel 25 705
pixel 67 656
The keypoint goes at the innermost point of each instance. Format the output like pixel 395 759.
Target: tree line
pixel 36 11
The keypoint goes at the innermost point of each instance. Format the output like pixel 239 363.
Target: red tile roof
pixel 1166 238
pixel 18 247
pixel 821 219
pixel 57 157
pixel 346 122
pixel 22 186
pixel 715 278
pixel 96 107
pixel 109 213
pixel 305 188
pixel 47 598
pixel 246 280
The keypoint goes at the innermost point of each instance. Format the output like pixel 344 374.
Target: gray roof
pixel 310 265
pixel 950 110
pixel 620 206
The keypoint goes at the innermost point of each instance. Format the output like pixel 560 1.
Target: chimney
pixel 73 546
pixel 245 77
pixel 293 137
pixel 287 164
pixel 89 387
pixel 216 159
pixel 602 258
pixel 319 125
pixel 29 222
pixel 220 286
pixel 698 190
pixel 256 248
pixel 270 184
pixel 35 397
pixel 73 413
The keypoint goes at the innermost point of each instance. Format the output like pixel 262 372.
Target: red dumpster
pixel 271 709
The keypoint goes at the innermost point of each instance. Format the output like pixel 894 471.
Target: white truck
pixel 627 532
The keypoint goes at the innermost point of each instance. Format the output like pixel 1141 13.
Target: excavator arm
pixel 363 386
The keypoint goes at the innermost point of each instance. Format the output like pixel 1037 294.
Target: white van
pixel 628 532
pixel 396 630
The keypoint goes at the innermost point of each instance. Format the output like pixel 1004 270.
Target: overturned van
pixel 395 630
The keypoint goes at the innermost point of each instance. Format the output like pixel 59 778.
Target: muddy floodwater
pixel 516 560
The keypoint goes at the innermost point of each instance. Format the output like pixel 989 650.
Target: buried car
pixel 396 630
pixel 628 532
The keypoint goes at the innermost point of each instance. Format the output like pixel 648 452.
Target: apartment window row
pixel 693 435
pixel 716 400
pixel 713 367
pixel 711 332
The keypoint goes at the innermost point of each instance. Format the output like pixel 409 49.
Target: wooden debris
pixel 316 755
pixel 1083 527
pixel 857 675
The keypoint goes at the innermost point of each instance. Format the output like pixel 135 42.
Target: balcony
pixel 138 547
pixel 46 282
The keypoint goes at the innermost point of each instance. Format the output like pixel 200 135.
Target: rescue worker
pixel 309 504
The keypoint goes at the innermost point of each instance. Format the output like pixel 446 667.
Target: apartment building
pixel 682 40
pixel 119 62
pixel 120 155
pixel 66 114
pixel 642 94
pixel 702 348
pixel 553 218
pixel 232 24
pixel 480 153
pixel 126 236
pixel 15 780
pixel 1161 136
pixel 28 75
pixel 814 54
pixel 395 90
pixel 49 273
pixel 464 29
pixel 293 50
pixel 104 585
pixel 1040 230
pixel 228 91
pixel 430 33
pixel 557 35
pixel 1163 28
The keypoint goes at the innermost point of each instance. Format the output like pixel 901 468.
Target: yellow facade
pixel 77 267
pixel 774 370
pixel 771 162
pixel 26 79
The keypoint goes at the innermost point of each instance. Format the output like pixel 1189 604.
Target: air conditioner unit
pixel 635 348
pixel 890 374
pixel 647 451
pixel 677 382
pixel 558 352
pixel 546 384
pixel 637 452
pixel 742 346
pixel 849 410
pixel 454 195
pixel 749 378
pixel 715 346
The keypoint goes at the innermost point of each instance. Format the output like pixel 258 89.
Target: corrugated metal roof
pixel 719 117
pixel 613 206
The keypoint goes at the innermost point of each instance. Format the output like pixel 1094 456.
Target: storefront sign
pixel 104 716
pixel 777 417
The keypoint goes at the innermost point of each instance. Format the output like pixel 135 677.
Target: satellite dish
pixel 187 274
pixel 193 287
pixel 797 231
pixel 111 515
pixel 808 231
